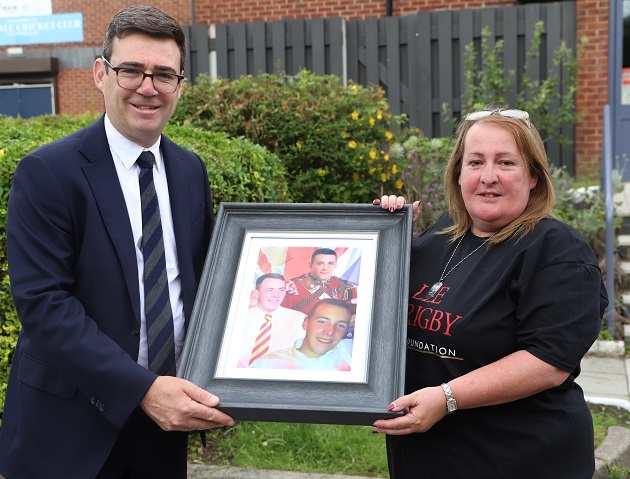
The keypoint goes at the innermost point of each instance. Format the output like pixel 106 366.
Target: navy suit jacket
pixel 74 378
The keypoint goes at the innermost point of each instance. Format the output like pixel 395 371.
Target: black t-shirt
pixel 542 293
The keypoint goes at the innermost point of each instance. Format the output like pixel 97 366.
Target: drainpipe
pixel 389 7
pixel 608 186
pixel 192 12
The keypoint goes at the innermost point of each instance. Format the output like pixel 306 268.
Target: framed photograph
pixel 301 312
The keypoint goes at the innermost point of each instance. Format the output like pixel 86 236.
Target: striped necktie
pixel 157 305
pixel 261 346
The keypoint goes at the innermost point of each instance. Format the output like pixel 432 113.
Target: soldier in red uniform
pixel 307 290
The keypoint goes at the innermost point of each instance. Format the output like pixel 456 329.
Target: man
pixel 280 326
pixel 305 291
pixel 86 397
pixel 323 347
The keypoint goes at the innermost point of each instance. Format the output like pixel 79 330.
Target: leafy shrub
pixel 583 208
pixel 420 163
pixel 490 83
pixel 237 170
pixel 331 138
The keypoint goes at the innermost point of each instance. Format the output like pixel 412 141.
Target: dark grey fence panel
pixel 466 37
pixel 392 65
pixel 445 94
pixel 278 47
pixel 286 46
pixel 424 82
pixel 510 44
pixel 260 55
pixel 418 59
pixel 198 59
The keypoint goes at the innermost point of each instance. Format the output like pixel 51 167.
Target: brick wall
pixel 77 94
pixel 592 92
pixel 98 13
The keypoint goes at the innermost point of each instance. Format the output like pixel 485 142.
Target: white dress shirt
pixel 286 327
pixel 125 154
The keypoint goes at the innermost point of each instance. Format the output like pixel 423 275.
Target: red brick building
pixel 75 91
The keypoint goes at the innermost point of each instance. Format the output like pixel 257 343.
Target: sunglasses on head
pixel 516 114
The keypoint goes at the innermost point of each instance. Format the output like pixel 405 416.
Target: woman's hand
pixel 393 203
pixel 423 408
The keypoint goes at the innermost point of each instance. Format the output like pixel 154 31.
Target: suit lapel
pixel 103 179
pixel 178 178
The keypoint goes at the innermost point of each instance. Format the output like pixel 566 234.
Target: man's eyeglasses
pixel 517 114
pixel 132 78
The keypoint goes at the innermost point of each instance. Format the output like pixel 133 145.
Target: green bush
pixel 237 170
pixel 490 83
pixel 419 173
pixel 332 139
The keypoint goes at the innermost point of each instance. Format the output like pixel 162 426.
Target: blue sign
pixel 58 28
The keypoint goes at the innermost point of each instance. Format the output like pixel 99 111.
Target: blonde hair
pixel 530 146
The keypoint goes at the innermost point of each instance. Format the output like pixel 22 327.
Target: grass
pixel 326 449
pixel 316 448
pixel 605 417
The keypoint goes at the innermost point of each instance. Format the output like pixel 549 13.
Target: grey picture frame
pixel 304 401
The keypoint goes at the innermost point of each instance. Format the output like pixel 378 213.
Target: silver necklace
pixel 438 284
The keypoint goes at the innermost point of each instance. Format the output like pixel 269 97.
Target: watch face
pixel 451 405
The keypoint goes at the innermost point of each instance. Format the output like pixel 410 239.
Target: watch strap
pixel 451 403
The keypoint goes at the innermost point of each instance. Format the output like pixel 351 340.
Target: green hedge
pixel 238 171
pixel 332 138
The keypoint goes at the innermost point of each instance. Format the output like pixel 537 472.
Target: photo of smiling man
pixel 269 327
pixel 323 347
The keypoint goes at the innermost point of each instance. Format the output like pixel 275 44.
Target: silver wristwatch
pixel 451 404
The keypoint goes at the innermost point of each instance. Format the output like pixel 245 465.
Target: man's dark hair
pixel 148 20
pixel 323 251
pixel 334 302
pixel 267 276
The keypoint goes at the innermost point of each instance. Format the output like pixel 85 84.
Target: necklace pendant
pixel 434 289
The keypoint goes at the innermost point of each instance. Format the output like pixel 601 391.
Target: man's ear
pixel 98 72
pixel 305 323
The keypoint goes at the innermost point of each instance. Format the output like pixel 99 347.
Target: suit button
pixel 135 331
pixel 92 400
pixel 102 408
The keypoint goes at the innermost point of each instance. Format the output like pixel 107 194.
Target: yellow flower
pixel 344 134
pixel 372 121
pixel 321 172
pixel 299 145
pixel 394 169
pixel 379 115
pixel 371 171
pixel 355 176
pixel 354 115
pixel 386 157
pixel 352 144
pixel 383 177
pixel 389 135
pixel 354 89
pixel 399 184
pixel 372 153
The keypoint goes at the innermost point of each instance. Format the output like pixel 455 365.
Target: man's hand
pixel 178 405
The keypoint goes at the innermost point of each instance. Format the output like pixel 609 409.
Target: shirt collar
pixel 128 151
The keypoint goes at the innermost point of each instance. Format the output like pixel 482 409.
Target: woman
pixel 504 302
